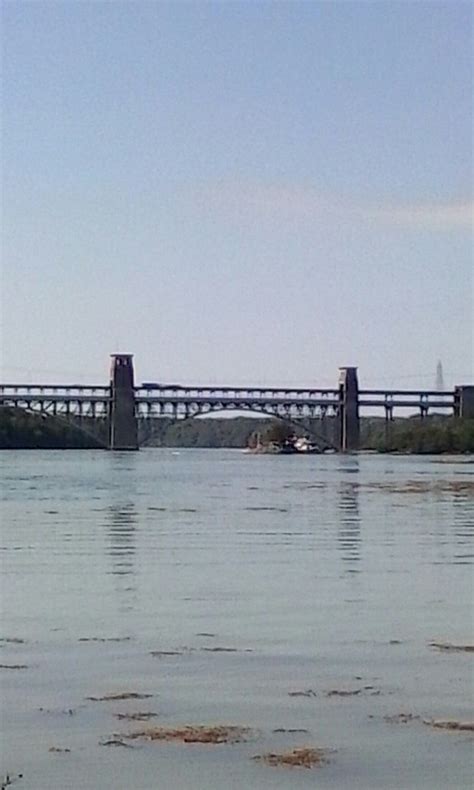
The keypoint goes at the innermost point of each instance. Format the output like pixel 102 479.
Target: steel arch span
pixel 288 416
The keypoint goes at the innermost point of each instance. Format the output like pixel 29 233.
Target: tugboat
pixel 306 446
pixel 292 445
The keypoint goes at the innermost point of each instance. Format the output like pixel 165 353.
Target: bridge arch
pixel 275 413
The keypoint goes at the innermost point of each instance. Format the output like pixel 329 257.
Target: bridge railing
pixel 54 389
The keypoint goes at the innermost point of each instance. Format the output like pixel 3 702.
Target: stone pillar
pixel 123 423
pixel 349 409
pixel 464 401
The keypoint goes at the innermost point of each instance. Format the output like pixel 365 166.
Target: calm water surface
pixel 321 573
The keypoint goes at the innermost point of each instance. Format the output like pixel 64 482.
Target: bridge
pixel 120 407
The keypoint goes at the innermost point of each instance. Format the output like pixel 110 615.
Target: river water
pixel 315 575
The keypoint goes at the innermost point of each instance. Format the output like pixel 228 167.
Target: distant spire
pixel 439 385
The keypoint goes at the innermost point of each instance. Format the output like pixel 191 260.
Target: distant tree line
pixel 437 434
pixel 21 430
pixel 432 435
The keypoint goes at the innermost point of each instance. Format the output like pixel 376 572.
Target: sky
pixel 237 192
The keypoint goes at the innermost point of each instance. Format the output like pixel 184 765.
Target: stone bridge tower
pixel 349 415
pixel 123 424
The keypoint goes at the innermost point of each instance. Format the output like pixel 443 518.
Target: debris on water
pixel 205 634
pixel 66 711
pixel 158 509
pixel 301 757
pixel 207 649
pixel 370 690
pixel 192 734
pixel 395 642
pixel 13 666
pixel 14 640
pixel 401 718
pixel 138 716
pixel 226 650
pixel 58 750
pixel 104 639
pixel 450 647
pixel 165 653
pixel 269 509
pixel 8 780
pixel 307 693
pixel 115 742
pixel 343 692
pixel 120 696
pixel 450 724
pixel 290 730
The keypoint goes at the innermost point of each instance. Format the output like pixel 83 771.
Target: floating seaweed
pixel 14 640
pixel 59 750
pixel 165 653
pixel 268 509
pixel 225 650
pixel 192 733
pixel 307 693
pixel 120 696
pixel 290 730
pixel 214 649
pixel 104 639
pixel 450 724
pixel 115 742
pixel 138 716
pixel 453 648
pixel 13 666
pixel 301 757
pixel 368 689
pixel 401 718
pixel 8 780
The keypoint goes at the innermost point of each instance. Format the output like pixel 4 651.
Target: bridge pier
pixel 349 410
pixel 464 402
pixel 123 433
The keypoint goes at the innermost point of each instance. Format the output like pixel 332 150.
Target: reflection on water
pixel 349 534
pixel 463 522
pixel 121 523
pixel 139 546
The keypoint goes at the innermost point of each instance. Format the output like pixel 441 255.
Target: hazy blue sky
pixel 238 191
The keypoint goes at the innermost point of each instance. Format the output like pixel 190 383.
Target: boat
pixel 293 445
pixel 306 446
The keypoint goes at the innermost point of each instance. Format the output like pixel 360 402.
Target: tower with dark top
pixel 349 409
pixel 123 423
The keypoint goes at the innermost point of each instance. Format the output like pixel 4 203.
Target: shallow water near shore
pixel 216 588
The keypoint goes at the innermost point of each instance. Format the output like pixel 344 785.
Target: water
pixel 321 573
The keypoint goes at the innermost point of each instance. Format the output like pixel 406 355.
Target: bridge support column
pixel 123 424
pixel 464 402
pixel 349 410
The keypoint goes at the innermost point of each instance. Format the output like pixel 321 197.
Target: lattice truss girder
pixel 178 410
